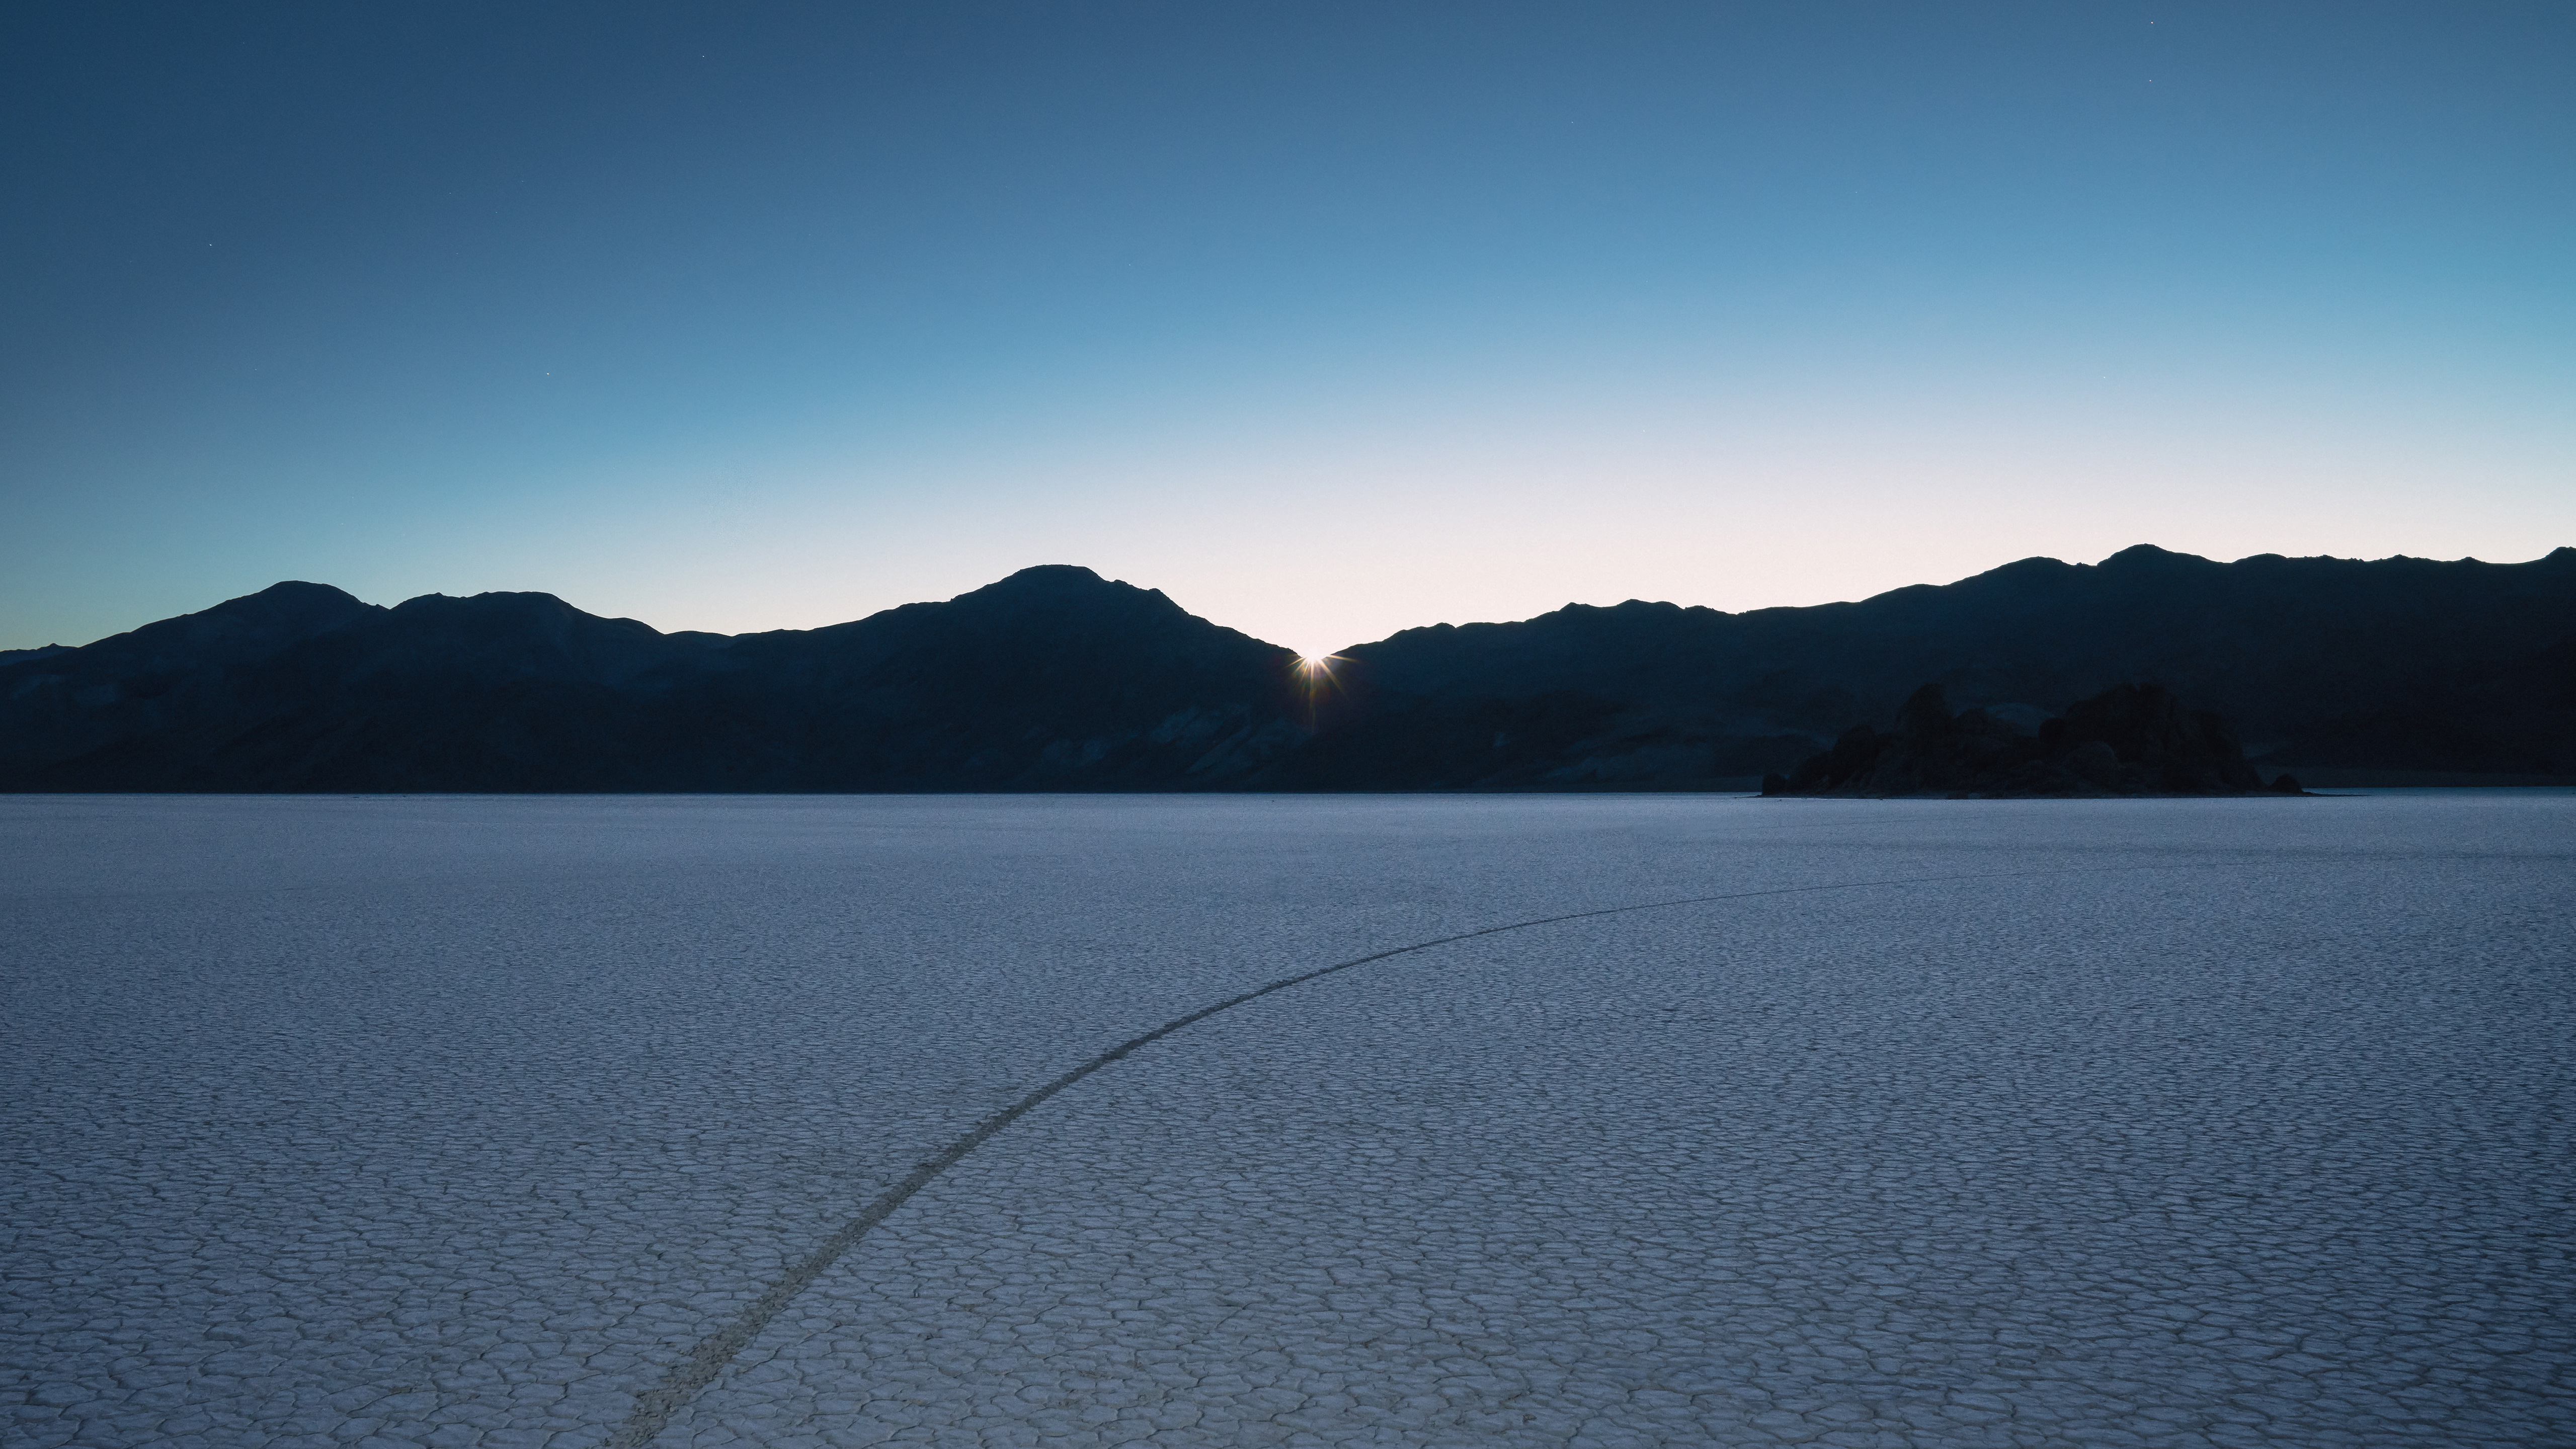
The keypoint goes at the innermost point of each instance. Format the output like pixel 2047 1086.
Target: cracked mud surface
pixel 463 1122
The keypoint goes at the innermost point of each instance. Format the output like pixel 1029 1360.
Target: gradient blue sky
pixel 1327 320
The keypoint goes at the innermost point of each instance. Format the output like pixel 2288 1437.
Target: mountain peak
pixel 2147 555
pixel 291 596
pixel 491 601
pixel 1060 586
pixel 1047 578
pixel 290 609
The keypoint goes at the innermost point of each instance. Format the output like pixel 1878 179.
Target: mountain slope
pixel 1051 679
pixel 2302 656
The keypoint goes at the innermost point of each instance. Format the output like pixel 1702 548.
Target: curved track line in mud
pixel 708 1359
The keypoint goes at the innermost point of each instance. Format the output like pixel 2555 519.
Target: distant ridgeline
pixel 1056 679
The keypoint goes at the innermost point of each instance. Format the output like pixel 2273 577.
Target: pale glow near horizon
pixel 1329 536
pixel 1339 542
pixel 1351 526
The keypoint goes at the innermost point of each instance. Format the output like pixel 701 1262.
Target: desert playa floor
pixel 582 1121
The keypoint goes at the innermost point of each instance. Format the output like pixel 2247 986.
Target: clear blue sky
pixel 1325 319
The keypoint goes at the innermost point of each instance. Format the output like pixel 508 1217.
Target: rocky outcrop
pixel 2131 739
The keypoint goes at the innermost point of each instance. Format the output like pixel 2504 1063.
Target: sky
pixel 1325 319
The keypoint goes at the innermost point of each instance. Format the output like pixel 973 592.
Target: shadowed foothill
pixel 2131 739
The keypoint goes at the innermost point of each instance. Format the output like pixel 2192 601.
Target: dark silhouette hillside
pixel 1057 679
pixel 1051 679
pixel 2395 663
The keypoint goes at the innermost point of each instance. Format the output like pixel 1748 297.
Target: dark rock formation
pixel 2132 739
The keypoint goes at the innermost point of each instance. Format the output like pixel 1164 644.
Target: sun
pixel 1314 681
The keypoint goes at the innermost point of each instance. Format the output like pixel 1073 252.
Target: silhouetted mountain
pixel 2131 739
pixel 1051 679
pixel 1055 679
pixel 2396 664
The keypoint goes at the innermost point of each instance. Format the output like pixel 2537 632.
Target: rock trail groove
pixel 709 1358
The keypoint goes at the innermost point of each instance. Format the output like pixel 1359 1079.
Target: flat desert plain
pixel 1639 1120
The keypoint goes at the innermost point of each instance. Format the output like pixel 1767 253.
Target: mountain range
pixel 1057 679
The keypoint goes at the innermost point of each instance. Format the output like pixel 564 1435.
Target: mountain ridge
pixel 1055 678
